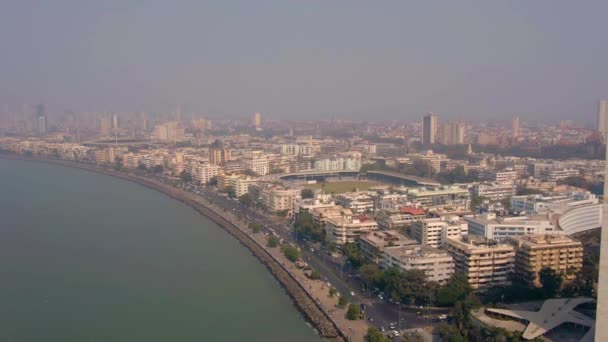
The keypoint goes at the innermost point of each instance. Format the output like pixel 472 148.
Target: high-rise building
pixel 257 121
pixel 178 114
pixel 115 121
pixel 429 128
pixel 515 128
pixel 452 133
pixel 169 132
pixel 105 125
pixel 42 125
pixel 602 117
pixel 219 154
pixel 41 122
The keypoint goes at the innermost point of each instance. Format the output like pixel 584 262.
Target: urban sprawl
pixel 470 212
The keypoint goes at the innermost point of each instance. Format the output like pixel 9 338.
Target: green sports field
pixel 340 187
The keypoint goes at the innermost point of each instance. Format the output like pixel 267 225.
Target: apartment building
pixel 561 253
pixel 454 196
pixel 273 197
pixel 502 176
pixel 553 175
pixel 398 218
pixel 436 264
pixel 484 263
pixel 494 191
pixel 372 244
pixel 358 202
pixel 434 231
pixel 347 228
pixel 257 162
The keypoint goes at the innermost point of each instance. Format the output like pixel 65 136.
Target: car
pixel 442 316
pixel 352 293
pixel 382 329
pixel 396 333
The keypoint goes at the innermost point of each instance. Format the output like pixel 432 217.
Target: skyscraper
pixel 452 133
pixel 41 122
pixel 602 117
pixel 257 121
pixel 515 128
pixel 105 125
pixel 429 128
pixel 601 332
pixel 115 121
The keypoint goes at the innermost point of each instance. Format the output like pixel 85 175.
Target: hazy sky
pixel 290 59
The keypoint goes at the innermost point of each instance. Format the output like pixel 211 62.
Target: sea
pixel 88 257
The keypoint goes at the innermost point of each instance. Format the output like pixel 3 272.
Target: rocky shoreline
pixel 300 297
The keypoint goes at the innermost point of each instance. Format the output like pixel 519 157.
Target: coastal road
pixel 331 269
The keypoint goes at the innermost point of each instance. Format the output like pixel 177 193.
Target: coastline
pixel 302 300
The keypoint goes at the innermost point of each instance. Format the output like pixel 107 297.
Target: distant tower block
pixel 257 121
pixel 429 128
pixel 515 128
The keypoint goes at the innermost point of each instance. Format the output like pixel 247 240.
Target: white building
pixel 347 228
pixel 503 176
pixel 358 202
pixel 491 227
pixel 437 265
pixel 257 162
pixel 494 191
pixel 433 231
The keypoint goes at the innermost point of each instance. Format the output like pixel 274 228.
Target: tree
pixel 254 226
pixel 353 312
pixel 353 254
pixel 332 291
pixel 185 176
pixel 245 200
pixel 315 275
pixel 305 226
pixel 142 167
pixel 291 253
pixel 551 282
pixel 231 192
pixel 371 274
pixel 307 193
pixel 158 169
pixel 457 288
pixel 342 301
pixel 118 163
pixel 213 181
pixel 272 241
pixel 375 335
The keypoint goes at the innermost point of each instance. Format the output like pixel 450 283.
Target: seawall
pixel 300 297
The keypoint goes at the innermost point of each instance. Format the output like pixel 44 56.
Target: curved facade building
pixel 576 219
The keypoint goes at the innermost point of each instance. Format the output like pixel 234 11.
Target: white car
pixel 352 293
pixel 395 332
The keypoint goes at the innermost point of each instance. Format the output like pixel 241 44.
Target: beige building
pixel 484 264
pixel 347 228
pixel 372 245
pixel 433 231
pixel 438 265
pixel 535 252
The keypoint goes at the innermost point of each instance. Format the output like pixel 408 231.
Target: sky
pixel 543 60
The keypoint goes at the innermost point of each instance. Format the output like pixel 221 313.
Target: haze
pixel 288 59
